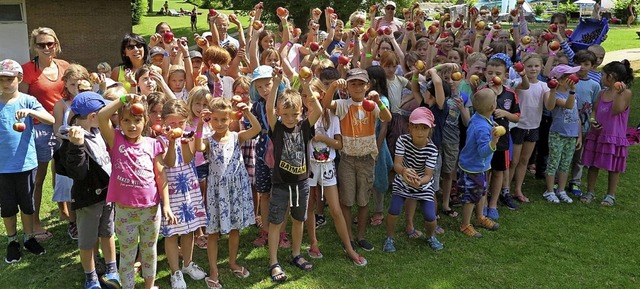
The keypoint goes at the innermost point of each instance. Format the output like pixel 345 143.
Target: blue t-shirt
pixel 586 93
pixel 18 149
pixel 565 121
pixel 476 155
pixel 440 116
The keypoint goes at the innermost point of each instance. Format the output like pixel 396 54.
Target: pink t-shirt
pixel 133 180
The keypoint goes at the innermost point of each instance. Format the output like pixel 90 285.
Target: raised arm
pixel 273 94
pixel 255 124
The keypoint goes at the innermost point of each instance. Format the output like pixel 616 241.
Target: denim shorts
pixel 46 142
pixel 203 172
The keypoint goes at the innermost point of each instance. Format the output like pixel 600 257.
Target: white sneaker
pixel 194 271
pixel 551 197
pixel 177 281
pixel 563 197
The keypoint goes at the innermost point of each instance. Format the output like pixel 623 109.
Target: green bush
pixel 621 10
pixel 568 8
pixel 138 8
pixel 538 9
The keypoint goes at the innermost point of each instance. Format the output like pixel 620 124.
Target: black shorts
pixel 284 196
pixel 519 136
pixel 16 190
pixel 500 161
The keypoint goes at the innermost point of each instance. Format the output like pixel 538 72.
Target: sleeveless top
pixel 122 79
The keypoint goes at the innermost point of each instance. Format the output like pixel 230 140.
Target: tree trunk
pixel 150 6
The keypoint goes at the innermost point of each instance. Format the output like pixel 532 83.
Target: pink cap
pixel 422 115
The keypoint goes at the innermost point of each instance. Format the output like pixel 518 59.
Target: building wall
pixel 90 31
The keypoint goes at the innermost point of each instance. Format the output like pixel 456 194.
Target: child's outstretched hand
pixel 205 115
pixel 76 135
pixel 168 215
pixel 277 75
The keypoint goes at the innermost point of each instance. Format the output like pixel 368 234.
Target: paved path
pixel 632 55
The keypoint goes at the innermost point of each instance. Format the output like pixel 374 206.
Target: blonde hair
pixel 359 14
pixel 176 68
pixel 196 94
pixel 242 81
pixel 45 31
pixel 105 66
pixel 475 57
pixel 114 93
pixel 483 100
pixel 175 107
pixel 532 56
pixel 220 104
pixel 74 71
pixel 290 99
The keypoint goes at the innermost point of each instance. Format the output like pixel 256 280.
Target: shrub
pixel 138 8
pixel 621 10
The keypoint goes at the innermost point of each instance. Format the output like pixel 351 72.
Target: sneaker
pixel 284 240
pixel 177 281
pixel 194 271
pixel 551 197
pixel 34 247
pixel 434 243
pixel 508 201
pixel 320 221
pixel 492 213
pixel 365 245
pixel 470 231
pixel 487 224
pixel 111 281
pixel 262 240
pixel 72 230
pixel 92 284
pixel 563 197
pixel 13 253
pixel 575 189
pixel 389 245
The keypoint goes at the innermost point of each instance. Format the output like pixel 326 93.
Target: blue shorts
pixel 203 172
pixel 473 186
pixel 62 190
pixel 46 142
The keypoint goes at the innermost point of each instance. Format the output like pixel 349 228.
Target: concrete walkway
pixel 632 55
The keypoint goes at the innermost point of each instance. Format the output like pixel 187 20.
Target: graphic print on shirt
pixel 293 158
pixel 134 167
pixel 321 151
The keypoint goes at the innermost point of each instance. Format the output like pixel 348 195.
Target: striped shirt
pixel 418 159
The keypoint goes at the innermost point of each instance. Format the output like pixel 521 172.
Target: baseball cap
pixel 422 115
pixel 195 54
pixel 207 34
pixel 563 69
pixel 110 82
pixel 261 72
pixel 10 68
pixel 87 102
pixel 390 3
pixel 357 74
pixel 155 51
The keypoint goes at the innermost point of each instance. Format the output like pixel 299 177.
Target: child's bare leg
pixel 446 190
pixel 234 242
pixel 496 186
pixel 409 211
pixel 613 183
pixel 274 239
pixel 562 181
pixel 311 218
pixel 521 168
pixel 296 236
pixel 346 213
pixel 592 176
pixel 331 197
pixel 212 255
pixel 186 247
pixel 467 211
pixel 172 251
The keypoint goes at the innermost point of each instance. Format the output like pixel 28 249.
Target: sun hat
pixel 10 68
pixel 422 115
pixel 563 69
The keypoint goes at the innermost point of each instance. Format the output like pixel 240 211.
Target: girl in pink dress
pixel 606 143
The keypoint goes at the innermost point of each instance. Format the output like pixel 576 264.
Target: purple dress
pixel 606 148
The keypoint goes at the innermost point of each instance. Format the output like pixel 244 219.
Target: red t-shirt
pixel 47 92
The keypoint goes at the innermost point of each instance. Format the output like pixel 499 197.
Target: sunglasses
pixel 390 8
pixel 138 45
pixel 44 45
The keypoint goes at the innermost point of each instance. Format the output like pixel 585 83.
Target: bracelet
pixel 382 106
pixel 166 54
pixel 186 57
pixel 551 53
pixel 284 25
pixel 424 28
pixel 133 84
pixel 123 99
pixel 515 25
pixel 572 92
pixel 437 67
pixel 333 27
pixel 415 77
pixel 472 31
pixel 368 55
pixel 199 134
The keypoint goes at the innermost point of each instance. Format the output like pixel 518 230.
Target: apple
pixel 500 131
pixel 444 35
pixel 365 37
pixel 167 37
pixel 252 13
pixel 568 32
pixel 368 105
pixel 553 28
pixel 474 79
pixel 215 68
pixel 618 86
pixel 305 72
pixel 372 32
pixel 317 11
pixel 447 25
pixel 456 76
pixel 473 10
pixel 416 5
pixel 157 128
pixel 519 67
pixel 314 46
pixel 343 60
pixel 202 41
pixel 281 12
pixel 495 11
pixel 360 29
pixel 236 99
pixel 330 10
pixel 373 8
pixel 237 115
pixel 213 12
pixel 411 26
pixel 574 78
pixel 520 2
pixel 497 26
pixel 184 141
pixel 387 30
pixel 297 32
pixel 19 126
pixel 468 49
pixel 480 24
pixel 433 29
pixel 554 45
pixel 420 66
pixel 547 36
pixel 257 25
pixel 552 83
pixel 514 12
pixel 436 23
pixel 497 81
pixel 137 108
pixel 457 23
pixel 526 40
pixel 233 17
pixel 175 133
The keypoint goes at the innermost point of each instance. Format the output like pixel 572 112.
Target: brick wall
pixel 90 31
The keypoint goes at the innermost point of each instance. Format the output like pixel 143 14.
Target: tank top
pixel 122 79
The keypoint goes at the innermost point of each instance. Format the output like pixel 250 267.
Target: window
pixel 11 13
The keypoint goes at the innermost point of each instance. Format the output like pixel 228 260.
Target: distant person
pixel 632 13
pixel 166 7
pixel 194 19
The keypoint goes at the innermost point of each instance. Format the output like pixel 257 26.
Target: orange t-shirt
pixel 46 91
pixel 358 128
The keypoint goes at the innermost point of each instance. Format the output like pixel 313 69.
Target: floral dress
pixel 229 199
pixel 184 195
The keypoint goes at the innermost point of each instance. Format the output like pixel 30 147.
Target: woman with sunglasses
pixel 43 80
pixel 388 19
pixel 134 52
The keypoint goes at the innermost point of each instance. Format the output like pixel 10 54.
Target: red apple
pixel 456 76
pixel 237 115
pixel 157 128
pixel 305 72
pixel 297 32
pixel 281 12
pixel 410 26
pixel 387 30
pixel 433 29
pixel 19 126
pixel 317 11
pixel 468 49
pixel 547 36
pixel 473 10
pixel 444 35
pixel 447 25
pixel 420 66
pixel 519 67
pixel 167 37
pixel 457 23
pixel 314 46
pixel 514 12
pixel 215 68
pixel 574 77
pixel 137 108
pixel 554 45
pixel 526 40
pixel 368 105
pixel 213 12
pixel 553 28
pixel 343 60
pixel 372 32
pixel 497 81
pixel 365 37
pixel 236 99
pixel 552 83
pixel 176 132
pixel 257 25
pixel 330 10
pixel 233 17
pixel 568 32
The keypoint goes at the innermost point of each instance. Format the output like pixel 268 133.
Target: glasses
pixel 390 8
pixel 138 45
pixel 44 45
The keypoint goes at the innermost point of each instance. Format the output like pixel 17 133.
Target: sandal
pixel 360 261
pixel 439 230
pixel 259 222
pixel 376 220
pixel 305 265
pixel 277 274
pixel 531 169
pixel 43 236
pixel 608 201
pixel 201 242
pixel 213 284
pixel 451 213
pixel 587 197
pixel 241 273
pixel 521 198
pixel 315 253
pixel 414 234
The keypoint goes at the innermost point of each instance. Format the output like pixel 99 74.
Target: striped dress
pixel 417 159
pixel 185 197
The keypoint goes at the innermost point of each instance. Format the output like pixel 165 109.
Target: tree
pixel 621 10
pixel 138 8
pixel 150 5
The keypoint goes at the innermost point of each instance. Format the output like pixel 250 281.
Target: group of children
pixel 190 148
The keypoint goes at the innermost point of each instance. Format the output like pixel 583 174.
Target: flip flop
pixel 241 273
pixel 521 198
pixel 315 253
pixel 201 242
pixel 376 220
pixel 213 284
pixel 414 234
pixel 43 236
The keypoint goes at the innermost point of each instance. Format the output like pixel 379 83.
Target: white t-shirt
pixel 319 151
pixel 394 88
pixel 227 87
pixel 531 104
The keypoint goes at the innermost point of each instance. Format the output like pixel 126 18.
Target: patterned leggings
pixel 137 227
pixel 561 149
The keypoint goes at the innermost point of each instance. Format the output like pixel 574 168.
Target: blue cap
pixel 261 72
pixel 87 102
